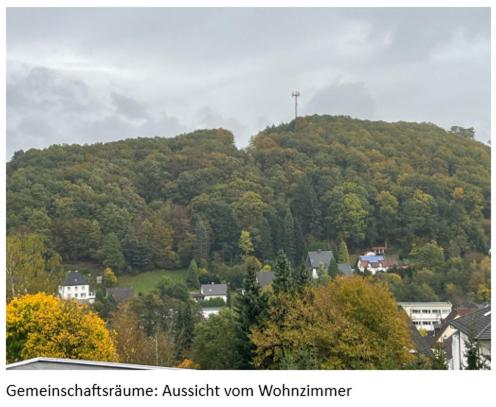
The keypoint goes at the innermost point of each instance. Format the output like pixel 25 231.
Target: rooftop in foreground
pixel 43 363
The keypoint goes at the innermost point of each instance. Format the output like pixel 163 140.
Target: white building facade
pixel 76 287
pixel 426 315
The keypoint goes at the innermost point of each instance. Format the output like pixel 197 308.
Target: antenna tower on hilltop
pixel 296 94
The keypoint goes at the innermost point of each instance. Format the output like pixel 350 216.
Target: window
pixel 83 295
pixel 426 311
pixel 75 295
pixel 76 288
pixel 416 311
pixel 69 288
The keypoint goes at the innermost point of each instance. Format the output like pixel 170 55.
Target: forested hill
pixel 156 203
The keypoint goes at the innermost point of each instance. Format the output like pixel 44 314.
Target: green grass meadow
pixel 143 282
pixel 148 280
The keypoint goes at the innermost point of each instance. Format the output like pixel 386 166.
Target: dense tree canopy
pixel 348 323
pixel 43 325
pixel 319 181
pixel 30 267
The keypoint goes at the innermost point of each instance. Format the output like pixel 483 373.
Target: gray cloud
pixel 45 107
pixel 87 75
pixel 352 99
pixel 128 106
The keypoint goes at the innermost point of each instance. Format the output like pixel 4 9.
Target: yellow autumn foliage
pixel 187 364
pixel 349 323
pixel 41 325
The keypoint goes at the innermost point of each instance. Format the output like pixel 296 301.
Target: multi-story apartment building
pixel 426 314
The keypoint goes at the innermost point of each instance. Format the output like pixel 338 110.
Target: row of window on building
pixel 427 311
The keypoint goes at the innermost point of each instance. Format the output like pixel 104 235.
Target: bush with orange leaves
pixel 43 325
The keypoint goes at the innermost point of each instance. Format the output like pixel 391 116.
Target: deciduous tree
pixel 43 325
pixel 28 270
pixel 349 323
pixel 216 344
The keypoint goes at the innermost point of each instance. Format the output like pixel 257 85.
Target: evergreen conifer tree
pixel 289 241
pixel 301 277
pixel 183 331
pixel 343 255
pixel 250 306
pixel 283 279
pixel 333 270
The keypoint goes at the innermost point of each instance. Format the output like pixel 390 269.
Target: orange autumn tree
pixel 43 325
pixel 348 323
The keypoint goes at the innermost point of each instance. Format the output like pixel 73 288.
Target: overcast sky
pixel 90 75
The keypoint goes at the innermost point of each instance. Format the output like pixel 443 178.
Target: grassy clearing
pixel 147 281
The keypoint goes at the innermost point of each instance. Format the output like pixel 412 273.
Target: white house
pixel 77 287
pixel 426 315
pixel 374 263
pixel 478 325
pixel 210 291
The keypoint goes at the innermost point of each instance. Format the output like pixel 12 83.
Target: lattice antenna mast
pixel 296 94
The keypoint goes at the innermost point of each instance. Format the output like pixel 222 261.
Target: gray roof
pixel 345 269
pixel 424 304
pixel 440 328
pixel 75 278
pixel 264 278
pixel 448 347
pixel 421 343
pixel 120 293
pixel 213 289
pixel 477 323
pixel 73 364
pixel 320 257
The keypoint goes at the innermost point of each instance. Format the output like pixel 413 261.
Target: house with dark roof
pixel 441 336
pixel 120 294
pixel 76 287
pixel 265 278
pixel 476 324
pixel 211 291
pixel 318 259
pixel 443 330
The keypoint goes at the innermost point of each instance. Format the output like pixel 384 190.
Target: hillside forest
pixel 197 202
pixel 142 204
